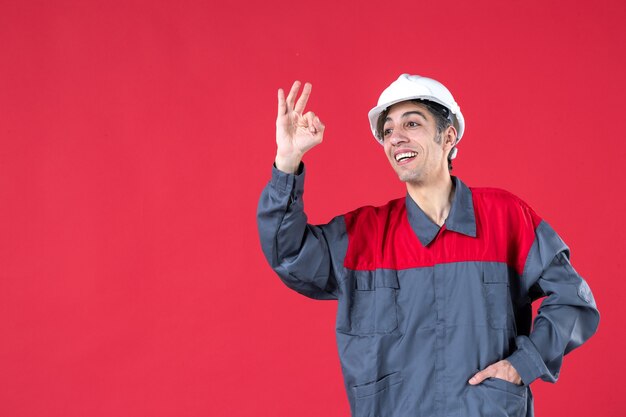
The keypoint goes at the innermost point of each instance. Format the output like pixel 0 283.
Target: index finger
pixel 301 104
pixel 481 376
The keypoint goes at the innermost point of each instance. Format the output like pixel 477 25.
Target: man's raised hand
pixel 296 132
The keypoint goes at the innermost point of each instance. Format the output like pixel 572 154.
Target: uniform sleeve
pixel 307 258
pixel 567 316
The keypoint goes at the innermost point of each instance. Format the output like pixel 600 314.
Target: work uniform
pixel 422 308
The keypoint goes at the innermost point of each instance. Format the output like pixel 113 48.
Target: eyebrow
pixel 409 113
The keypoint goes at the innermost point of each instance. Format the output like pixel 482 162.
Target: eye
pixel 387 131
pixel 412 124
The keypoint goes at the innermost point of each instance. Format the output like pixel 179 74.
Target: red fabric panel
pixel 505 228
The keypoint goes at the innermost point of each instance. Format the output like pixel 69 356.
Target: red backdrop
pixel 136 137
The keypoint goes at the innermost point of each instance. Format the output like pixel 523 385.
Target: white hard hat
pixel 415 87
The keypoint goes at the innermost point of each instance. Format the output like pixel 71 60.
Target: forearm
pixel 298 252
pixel 567 317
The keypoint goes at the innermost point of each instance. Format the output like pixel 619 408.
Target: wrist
pixel 288 165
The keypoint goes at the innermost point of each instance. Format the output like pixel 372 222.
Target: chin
pixel 409 176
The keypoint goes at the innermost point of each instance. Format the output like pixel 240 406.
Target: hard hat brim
pixel 457 116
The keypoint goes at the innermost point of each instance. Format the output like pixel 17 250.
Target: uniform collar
pixel 461 218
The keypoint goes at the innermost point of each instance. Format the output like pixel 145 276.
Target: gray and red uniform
pixel 421 308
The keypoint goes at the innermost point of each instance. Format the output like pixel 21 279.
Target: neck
pixel 434 198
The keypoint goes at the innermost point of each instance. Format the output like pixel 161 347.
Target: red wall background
pixel 136 136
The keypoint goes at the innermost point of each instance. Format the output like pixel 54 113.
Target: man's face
pixel 411 143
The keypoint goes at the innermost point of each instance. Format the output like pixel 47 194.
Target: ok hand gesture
pixel 296 133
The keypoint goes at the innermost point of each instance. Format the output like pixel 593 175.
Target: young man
pixel 434 290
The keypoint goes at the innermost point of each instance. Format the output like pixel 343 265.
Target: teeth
pixel 405 155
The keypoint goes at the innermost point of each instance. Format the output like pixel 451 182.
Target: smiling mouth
pixel 405 156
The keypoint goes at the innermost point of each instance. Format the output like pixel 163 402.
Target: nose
pixel 397 137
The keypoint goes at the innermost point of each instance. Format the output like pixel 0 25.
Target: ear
pixel 449 138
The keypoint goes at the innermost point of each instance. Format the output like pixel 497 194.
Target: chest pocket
pixel 497 296
pixel 370 305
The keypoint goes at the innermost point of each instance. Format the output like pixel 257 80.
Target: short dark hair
pixel 439 112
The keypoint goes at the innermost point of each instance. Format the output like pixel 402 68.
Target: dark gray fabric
pixel 307 258
pixel 461 218
pixel 410 339
pixel 565 318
